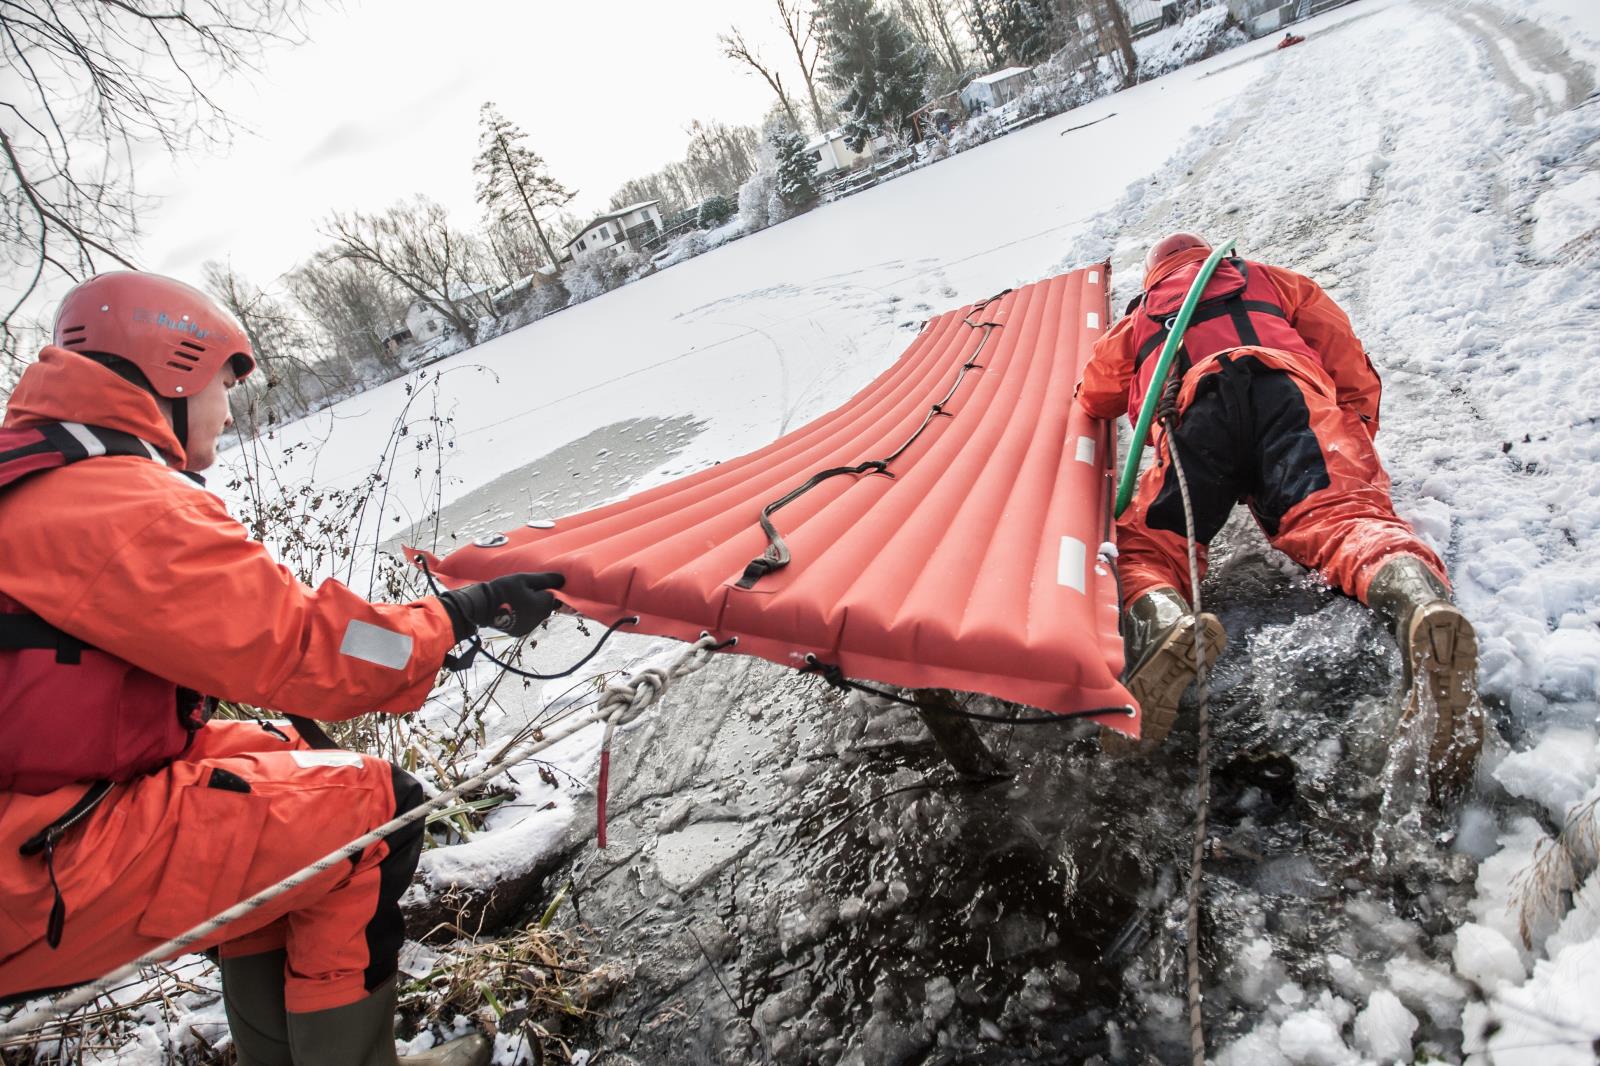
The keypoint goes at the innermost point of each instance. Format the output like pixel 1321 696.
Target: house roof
pixel 1000 75
pixel 607 217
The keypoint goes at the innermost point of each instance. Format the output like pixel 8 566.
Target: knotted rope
pixel 620 703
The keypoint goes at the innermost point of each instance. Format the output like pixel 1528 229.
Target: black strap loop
pixel 776 556
pixel 44 841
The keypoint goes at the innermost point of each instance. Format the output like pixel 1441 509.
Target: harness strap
pixel 19 632
pixel 1235 307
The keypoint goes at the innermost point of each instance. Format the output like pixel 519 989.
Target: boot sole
pixel 1443 652
pixel 1159 682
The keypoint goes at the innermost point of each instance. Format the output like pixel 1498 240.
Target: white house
pixel 993 90
pixel 628 227
pixel 830 153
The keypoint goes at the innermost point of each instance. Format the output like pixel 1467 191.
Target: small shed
pixel 994 90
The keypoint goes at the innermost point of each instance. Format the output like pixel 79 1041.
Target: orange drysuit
pixel 1267 426
pixel 129 556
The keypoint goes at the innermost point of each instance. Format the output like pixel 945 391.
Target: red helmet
pixel 175 334
pixel 1172 244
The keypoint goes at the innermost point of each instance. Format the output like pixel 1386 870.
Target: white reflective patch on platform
pixel 80 433
pixel 376 645
pixel 1070 563
pixel 1085 450
pixel 1094 277
pixel 307 759
pixel 1094 319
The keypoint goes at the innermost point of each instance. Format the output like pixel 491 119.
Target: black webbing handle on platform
pixel 834 676
pixel 776 555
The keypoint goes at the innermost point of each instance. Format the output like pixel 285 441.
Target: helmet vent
pixel 73 329
pixel 189 357
pixel 192 346
pixel 173 364
pixel 69 341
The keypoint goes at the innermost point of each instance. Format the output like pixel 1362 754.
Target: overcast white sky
pixel 382 102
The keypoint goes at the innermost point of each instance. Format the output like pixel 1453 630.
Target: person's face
pixel 209 415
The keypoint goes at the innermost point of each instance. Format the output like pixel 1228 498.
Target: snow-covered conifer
pixel 514 183
pixel 876 65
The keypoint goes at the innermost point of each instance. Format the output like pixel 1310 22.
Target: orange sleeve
pixel 1103 389
pixel 166 579
pixel 1326 328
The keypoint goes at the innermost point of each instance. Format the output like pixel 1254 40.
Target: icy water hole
pixel 797 877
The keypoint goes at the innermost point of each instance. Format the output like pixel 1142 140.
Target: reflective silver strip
pixel 1094 319
pixel 80 433
pixel 376 645
pixel 1085 450
pixel 1070 563
pixel 1094 277
pixel 309 759
pixel 92 446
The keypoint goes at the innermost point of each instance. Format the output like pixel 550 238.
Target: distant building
pixel 628 227
pixel 829 153
pixel 1261 17
pixel 994 90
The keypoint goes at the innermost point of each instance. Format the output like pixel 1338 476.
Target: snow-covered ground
pixel 1437 166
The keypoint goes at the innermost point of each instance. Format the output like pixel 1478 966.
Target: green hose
pixel 1152 396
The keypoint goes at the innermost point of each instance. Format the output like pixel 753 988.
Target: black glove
pixel 513 604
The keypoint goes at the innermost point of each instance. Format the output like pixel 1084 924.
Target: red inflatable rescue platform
pixel 955 543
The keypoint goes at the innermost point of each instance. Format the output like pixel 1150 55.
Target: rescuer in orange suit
pixel 1278 408
pixel 126 591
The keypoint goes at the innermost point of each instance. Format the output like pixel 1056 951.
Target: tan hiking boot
pixel 1439 649
pixel 1161 636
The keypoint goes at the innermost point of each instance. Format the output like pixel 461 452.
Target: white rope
pixel 620 703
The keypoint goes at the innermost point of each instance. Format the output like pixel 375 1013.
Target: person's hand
pixel 513 604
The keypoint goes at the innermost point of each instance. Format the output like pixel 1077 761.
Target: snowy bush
pixel 1208 32
pixel 600 272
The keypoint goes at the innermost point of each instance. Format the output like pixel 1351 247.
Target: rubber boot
pixel 252 996
pixel 1160 633
pixel 1439 650
pixel 362 1034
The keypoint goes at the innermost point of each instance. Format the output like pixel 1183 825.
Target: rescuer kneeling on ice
pixel 1278 407
pixel 128 599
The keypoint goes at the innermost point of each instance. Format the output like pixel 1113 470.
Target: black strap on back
pixel 20 632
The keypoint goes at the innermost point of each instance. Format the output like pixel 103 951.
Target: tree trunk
pixel 522 191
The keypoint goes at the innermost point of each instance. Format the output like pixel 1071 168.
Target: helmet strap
pixel 180 421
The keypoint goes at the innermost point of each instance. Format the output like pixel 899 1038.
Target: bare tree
pixel 89 84
pixel 800 25
pixel 735 48
pixel 930 21
pixel 415 247
pixel 513 180
pixel 352 307
pixel 290 379
pixel 1116 33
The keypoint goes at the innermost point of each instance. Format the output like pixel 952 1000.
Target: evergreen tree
pixel 514 184
pixel 876 65
pixel 796 170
